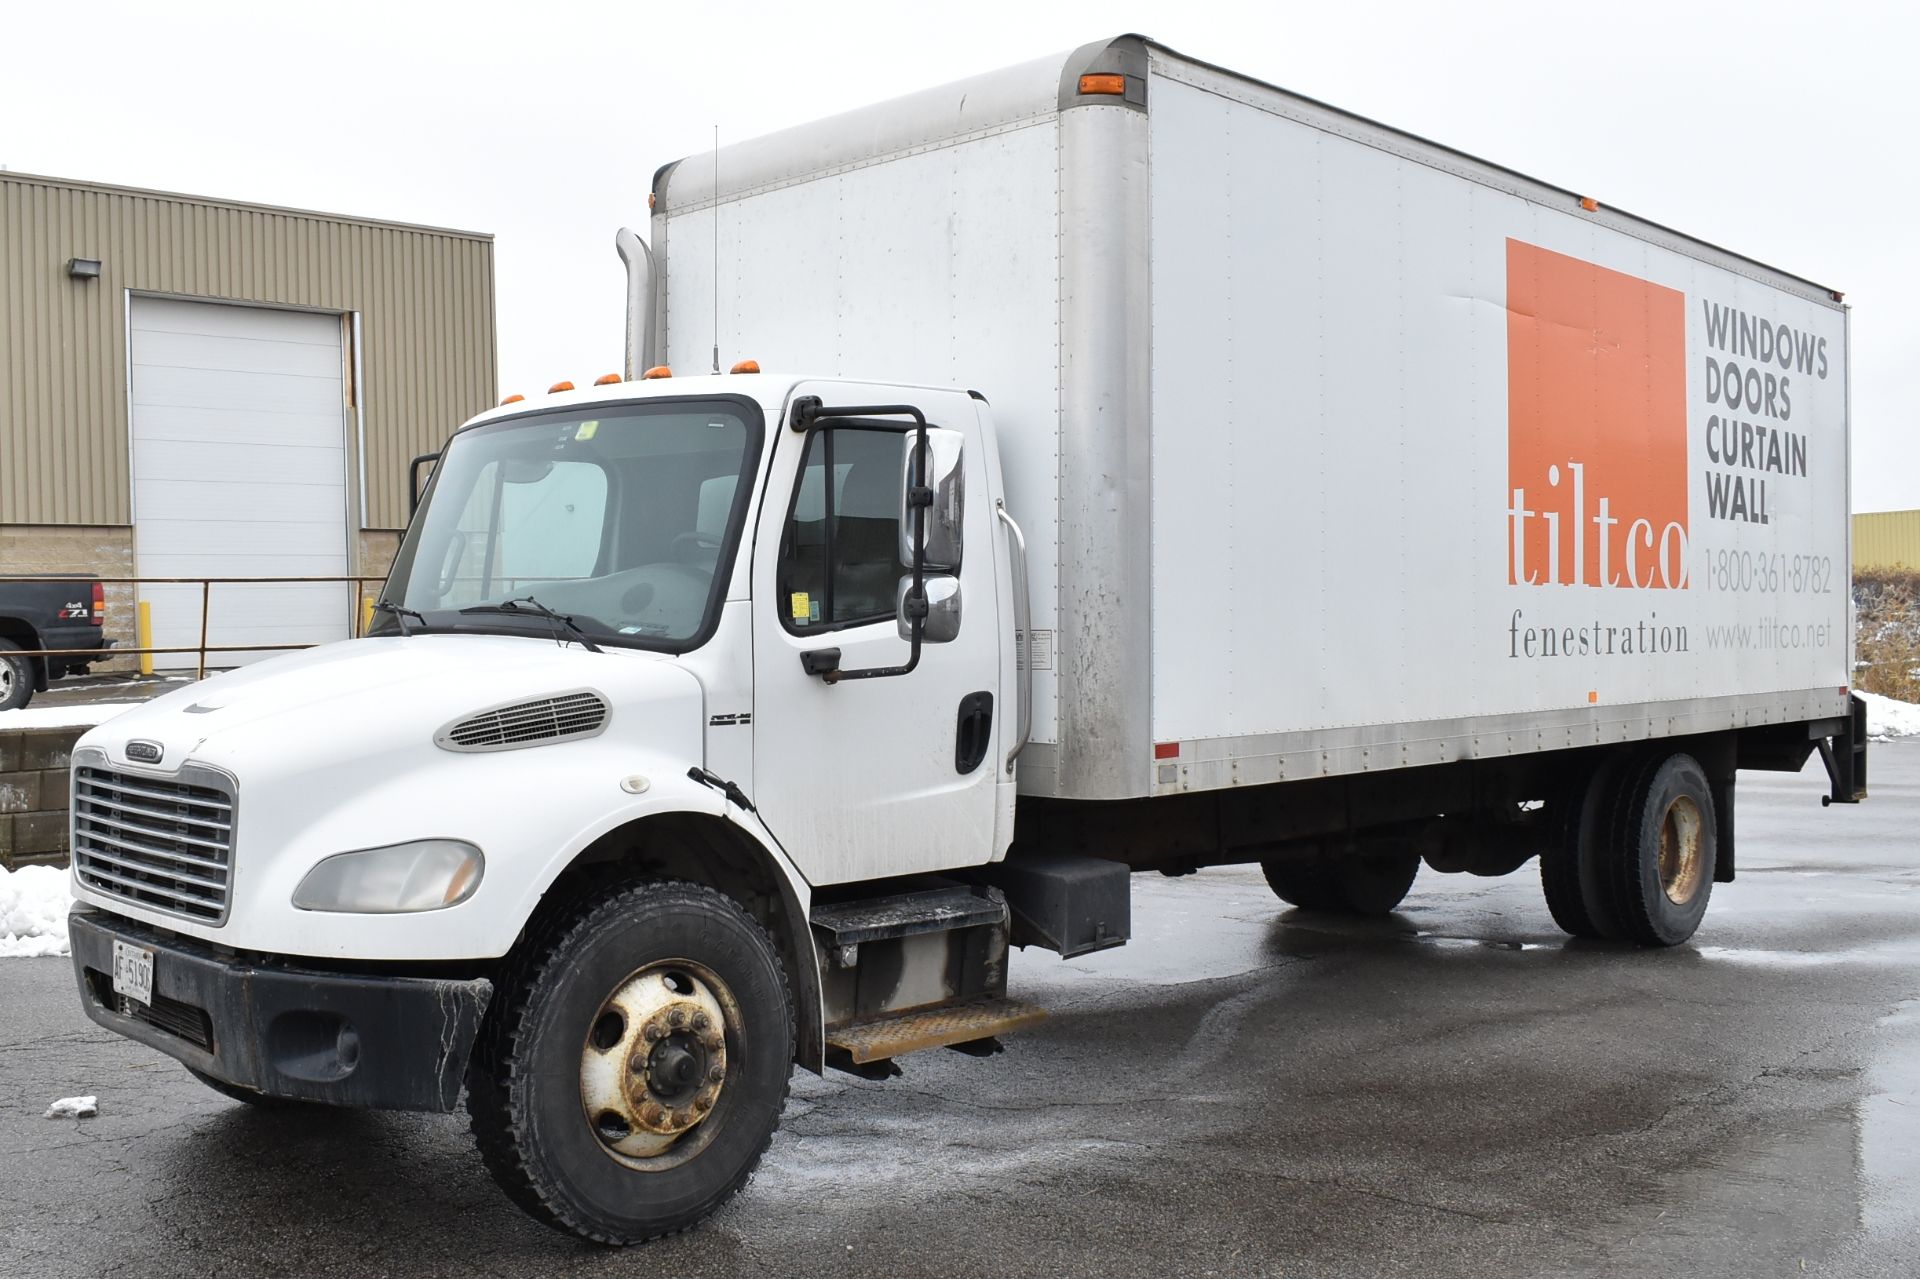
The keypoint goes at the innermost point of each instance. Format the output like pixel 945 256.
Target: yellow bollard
pixel 143 631
pixel 366 614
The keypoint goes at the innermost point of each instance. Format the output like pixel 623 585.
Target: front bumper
pixel 348 1039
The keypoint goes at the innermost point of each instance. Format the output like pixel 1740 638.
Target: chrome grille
pixel 163 844
pixel 547 719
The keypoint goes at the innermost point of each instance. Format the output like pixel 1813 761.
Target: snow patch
pixel 33 912
pixel 1888 718
pixel 85 716
pixel 74 1108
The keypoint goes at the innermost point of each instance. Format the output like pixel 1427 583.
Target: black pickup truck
pixel 63 615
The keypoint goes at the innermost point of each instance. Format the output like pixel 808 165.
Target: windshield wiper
pixel 528 604
pixel 399 615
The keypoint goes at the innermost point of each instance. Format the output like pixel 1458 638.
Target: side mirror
pixel 947 480
pixel 942 595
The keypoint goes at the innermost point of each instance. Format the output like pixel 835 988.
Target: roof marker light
pixel 746 366
pixel 512 399
pixel 1102 83
pixel 558 387
pixel 607 379
pixel 657 371
pixel 1590 204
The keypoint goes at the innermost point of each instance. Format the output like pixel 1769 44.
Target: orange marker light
pixel 1593 695
pixel 513 399
pixel 1113 84
pixel 1590 204
pixel 746 366
pixel 558 387
pixel 606 379
pixel 650 200
pixel 657 371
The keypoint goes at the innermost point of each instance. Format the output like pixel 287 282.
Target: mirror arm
pixel 413 481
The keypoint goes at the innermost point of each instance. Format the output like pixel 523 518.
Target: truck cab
pixel 749 635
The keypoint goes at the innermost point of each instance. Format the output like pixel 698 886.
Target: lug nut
pixel 676 1017
pixel 700 1021
pixel 703 1103
pixel 653 1032
pixel 713 1042
pixel 651 1115
pixel 718 1073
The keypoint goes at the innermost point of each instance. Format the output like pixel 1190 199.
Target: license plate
pixel 133 972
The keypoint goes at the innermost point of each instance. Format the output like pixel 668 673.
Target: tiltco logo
pixel 1596 425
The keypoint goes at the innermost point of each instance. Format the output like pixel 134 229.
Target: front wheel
pixel 634 1064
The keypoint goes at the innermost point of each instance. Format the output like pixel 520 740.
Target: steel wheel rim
pixel 1682 851
pixel 654 1064
pixel 6 679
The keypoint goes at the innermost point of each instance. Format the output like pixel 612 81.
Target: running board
pixel 878 1040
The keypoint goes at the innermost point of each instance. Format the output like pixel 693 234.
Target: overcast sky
pixel 1785 131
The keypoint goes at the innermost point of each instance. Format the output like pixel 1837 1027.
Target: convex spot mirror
pixel 945 478
pixel 943 609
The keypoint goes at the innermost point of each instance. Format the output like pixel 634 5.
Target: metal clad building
pixel 194 387
pixel 1887 539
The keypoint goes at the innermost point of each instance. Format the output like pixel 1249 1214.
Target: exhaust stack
pixel 638 258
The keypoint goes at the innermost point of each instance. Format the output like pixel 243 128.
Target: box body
pixel 1336 450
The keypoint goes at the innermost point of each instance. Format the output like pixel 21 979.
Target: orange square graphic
pixel 1596 425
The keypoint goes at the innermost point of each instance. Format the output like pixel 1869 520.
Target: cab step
pixel 887 1037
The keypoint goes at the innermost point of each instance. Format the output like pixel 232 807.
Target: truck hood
pixel 355 695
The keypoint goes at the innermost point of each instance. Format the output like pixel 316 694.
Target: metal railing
pixel 362 613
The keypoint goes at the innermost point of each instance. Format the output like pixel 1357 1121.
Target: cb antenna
pixel 716 250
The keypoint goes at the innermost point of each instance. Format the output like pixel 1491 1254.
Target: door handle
pixel 973 733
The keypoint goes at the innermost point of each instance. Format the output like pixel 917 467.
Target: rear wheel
pixel 1370 880
pixel 1663 843
pixel 634 1065
pixel 1572 864
pixel 16 677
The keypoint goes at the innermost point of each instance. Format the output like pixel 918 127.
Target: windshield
pixel 623 517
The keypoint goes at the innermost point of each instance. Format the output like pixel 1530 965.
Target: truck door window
pixel 839 555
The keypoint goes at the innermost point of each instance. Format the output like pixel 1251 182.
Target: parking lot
pixel 1243 1090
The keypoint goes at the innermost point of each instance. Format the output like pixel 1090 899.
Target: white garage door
pixel 239 470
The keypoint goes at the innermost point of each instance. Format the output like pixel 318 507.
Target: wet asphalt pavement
pixel 1243 1090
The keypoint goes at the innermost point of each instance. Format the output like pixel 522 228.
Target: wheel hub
pixel 655 1061
pixel 1682 851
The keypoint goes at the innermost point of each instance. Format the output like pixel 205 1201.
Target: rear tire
pixel 1662 846
pixel 1572 864
pixel 1367 881
pixel 16 677
pixel 591 1015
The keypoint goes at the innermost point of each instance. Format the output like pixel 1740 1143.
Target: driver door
pixel 867 778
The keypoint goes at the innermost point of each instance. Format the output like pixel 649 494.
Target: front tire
pixel 633 1067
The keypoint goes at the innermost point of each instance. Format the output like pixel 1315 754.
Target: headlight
pixel 427 874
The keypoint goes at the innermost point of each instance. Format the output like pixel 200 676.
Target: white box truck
pixel 1382 508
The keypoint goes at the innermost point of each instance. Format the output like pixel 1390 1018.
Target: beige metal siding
pixel 425 297
pixel 1888 539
